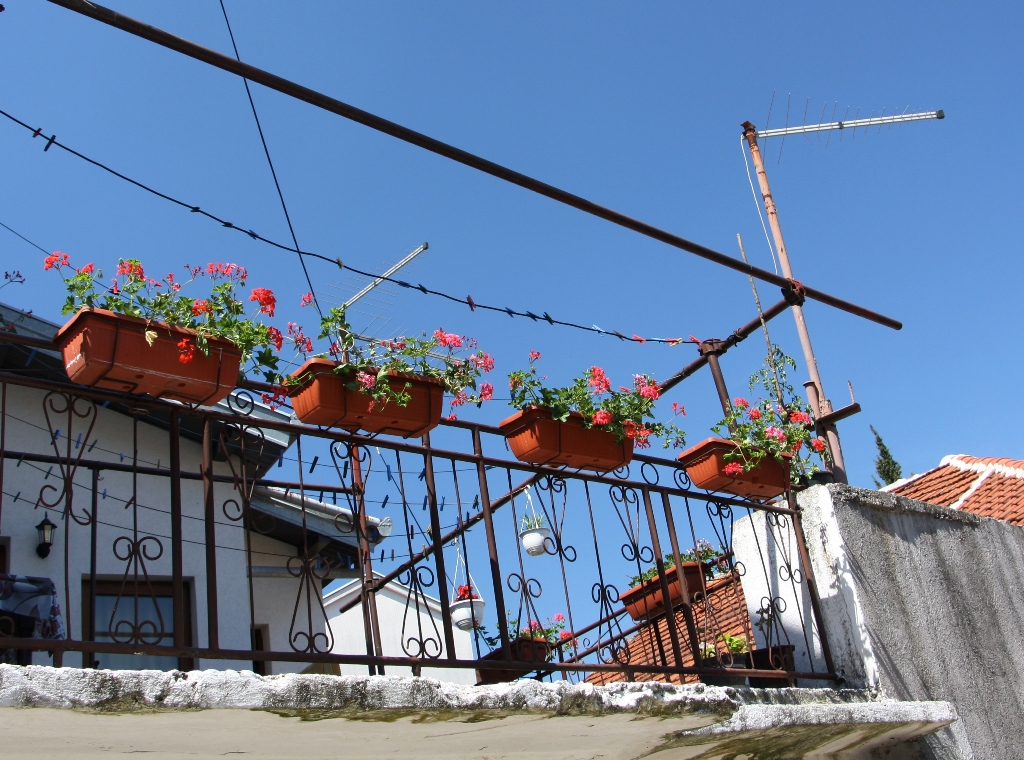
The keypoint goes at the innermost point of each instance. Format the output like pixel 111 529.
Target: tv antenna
pixel 369 288
pixel 824 415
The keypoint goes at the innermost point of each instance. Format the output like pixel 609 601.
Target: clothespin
pixel 344 472
pixel 313 465
pixel 57 434
pixel 122 455
pixel 471 302
pixel 47 475
pixel 385 502
pixel 280 459
pixel 423 473
pixel 49 142
pixel 31 356
pixel 104 493
pixel 425 503
pixel 92 445
pixel 16 497
pixel 476 502
pixel 388 468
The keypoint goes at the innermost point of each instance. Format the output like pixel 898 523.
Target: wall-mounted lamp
pixel 46 529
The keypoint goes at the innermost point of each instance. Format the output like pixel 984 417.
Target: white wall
pixel 392 612
pixel 767 551
pixel 27 431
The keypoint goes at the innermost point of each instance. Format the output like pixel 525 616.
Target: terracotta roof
pixel 987 486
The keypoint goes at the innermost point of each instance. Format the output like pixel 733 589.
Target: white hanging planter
pixel 534 540
pixel 467 614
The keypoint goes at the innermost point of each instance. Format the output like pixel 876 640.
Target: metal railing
pixel 422 517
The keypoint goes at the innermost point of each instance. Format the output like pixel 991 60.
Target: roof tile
pixel 987 486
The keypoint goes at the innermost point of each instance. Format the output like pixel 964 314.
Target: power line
pixel 273 173
pixel 467 301
pixel 24 238
pixel 332 105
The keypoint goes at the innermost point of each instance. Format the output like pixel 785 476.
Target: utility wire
pixel 24 238
pixel 467 301
pixel 273 173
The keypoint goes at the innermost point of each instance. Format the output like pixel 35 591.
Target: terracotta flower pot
pixel 536 438
pixel 102 349
pixel 646 600
pixel 324 400
pixel 523 649
pixel 705 464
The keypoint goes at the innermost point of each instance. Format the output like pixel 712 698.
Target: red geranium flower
pixel 266 300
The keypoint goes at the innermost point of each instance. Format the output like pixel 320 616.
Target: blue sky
pixel 637 109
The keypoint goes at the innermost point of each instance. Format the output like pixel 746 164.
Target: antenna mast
pixel 816 397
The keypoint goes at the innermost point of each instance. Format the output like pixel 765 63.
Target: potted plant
pixel 142 335
pixel 645 599
pixel 762 456
pixel 735 657
pixel 467 611
pixel 533 643
pixel 392 386
pixel 587 424
pixel 774 656
pixel 534 534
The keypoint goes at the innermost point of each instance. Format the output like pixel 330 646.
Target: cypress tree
pixel 887 468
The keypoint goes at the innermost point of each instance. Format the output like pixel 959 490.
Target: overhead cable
pixel 467 301
pixel 198 52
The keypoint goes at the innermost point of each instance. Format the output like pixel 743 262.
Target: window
pixel 115 618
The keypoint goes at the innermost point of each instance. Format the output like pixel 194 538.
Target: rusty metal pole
pixel 823 405
pixel 712 349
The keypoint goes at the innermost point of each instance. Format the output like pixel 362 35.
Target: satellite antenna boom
pixel 408 257
pixel 851 124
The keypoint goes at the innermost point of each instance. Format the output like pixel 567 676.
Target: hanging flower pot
pixel 322 398
pixel 647 600
pixel 103 349
pixel 534 540
pixel 467 614
pixel 536 438
pixel 467 609
pixel 705 464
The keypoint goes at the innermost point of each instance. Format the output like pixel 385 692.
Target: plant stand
pixel 523 649
pixel 102 349
pixel 705 464
pixel 536 438
pixel 322 399
pixel 739 662
pixel 646 600
pixel 773 658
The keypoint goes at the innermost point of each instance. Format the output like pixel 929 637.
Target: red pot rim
pixel 707 447
pixel 526 417
pixel 136 323
pixel 318 365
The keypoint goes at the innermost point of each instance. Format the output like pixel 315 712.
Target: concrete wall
pixel 925 602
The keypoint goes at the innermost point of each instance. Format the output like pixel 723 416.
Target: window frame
pixel 161 587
